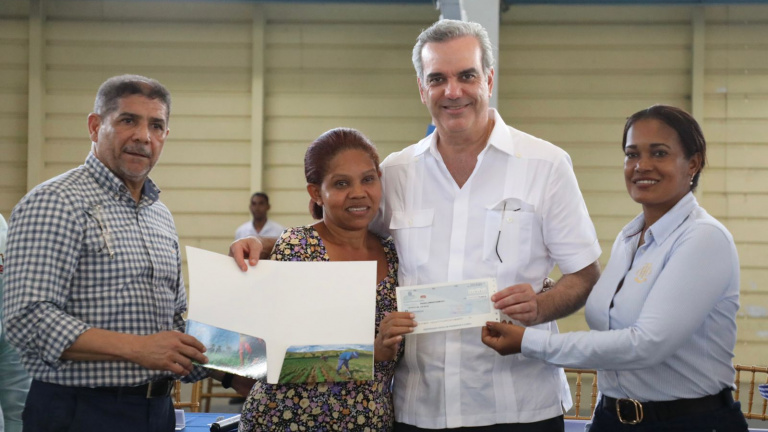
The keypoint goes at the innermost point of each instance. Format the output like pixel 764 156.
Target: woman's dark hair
pixel 326 147
pixel 687 128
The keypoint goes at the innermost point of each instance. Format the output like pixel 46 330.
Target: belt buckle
pixel 638 411
pixel 149 390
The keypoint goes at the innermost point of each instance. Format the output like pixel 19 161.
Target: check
pixel 449 306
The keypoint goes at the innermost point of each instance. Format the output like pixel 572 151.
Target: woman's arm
pixel 690 285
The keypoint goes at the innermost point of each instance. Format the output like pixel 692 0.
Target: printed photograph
pixel 327 363
pixel 230 351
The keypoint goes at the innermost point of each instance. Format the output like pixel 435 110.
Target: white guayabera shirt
pixel 519 214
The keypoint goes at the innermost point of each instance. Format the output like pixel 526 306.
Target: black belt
pixel 631 411
pixel 149 390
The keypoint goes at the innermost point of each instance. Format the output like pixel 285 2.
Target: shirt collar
pixel 107 180
pixel 667 223
pixel 501 135
pixel 500 138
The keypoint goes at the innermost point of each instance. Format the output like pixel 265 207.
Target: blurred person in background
pixel 261 227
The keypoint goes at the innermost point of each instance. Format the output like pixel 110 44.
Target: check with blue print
pixel 450 305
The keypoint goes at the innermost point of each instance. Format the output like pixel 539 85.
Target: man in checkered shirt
pixel 94 293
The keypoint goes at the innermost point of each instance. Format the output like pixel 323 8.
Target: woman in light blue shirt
pixel 663 314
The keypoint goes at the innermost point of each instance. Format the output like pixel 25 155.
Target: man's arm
pixel 571 241
pixel 569 294
pixel 168 351
pixel 44 244
pixel 44 247
pixel 171 351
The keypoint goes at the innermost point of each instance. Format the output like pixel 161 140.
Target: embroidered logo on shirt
pixel 642 274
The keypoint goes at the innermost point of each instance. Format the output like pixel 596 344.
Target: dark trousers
pixel 55 408
pixel 726 419
pixel 554 424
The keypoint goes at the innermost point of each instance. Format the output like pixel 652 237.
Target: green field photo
pixel 323 365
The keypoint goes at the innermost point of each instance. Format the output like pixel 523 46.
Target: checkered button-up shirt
pixel 83 254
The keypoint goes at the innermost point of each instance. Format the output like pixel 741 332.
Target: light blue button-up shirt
pixel 670 331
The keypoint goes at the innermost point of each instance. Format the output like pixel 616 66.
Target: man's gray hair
pixel 117 87
pixel 446 30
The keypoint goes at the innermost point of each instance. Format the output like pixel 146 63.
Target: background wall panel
pixel 736 91
pixel 14 57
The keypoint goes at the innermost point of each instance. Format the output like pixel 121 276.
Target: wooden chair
pixel 578 393
pixel 213 389
pixel 194 400
pixel 755 406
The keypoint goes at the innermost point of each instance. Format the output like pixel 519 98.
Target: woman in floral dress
pixel 342 173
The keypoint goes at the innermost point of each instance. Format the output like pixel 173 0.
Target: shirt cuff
pixel 198 372
pixel 67 330
pixel 533 343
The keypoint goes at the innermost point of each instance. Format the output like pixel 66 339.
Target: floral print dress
pixel 334 406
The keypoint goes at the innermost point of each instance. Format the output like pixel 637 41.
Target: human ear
pixel 421 91
pixel 490 82
pixel 314 193
pixel 94 124
pixel 695 164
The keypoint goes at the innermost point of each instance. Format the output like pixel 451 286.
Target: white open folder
pixel 284 303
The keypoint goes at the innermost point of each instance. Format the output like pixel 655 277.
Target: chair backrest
pixel 578 393
pixel 747 379
pixel 194 400
pixel 213 389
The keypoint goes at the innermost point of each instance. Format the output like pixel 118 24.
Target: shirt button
pixel 410 222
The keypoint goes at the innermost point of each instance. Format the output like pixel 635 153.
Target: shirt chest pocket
pixel 412 232
pixel 509 225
